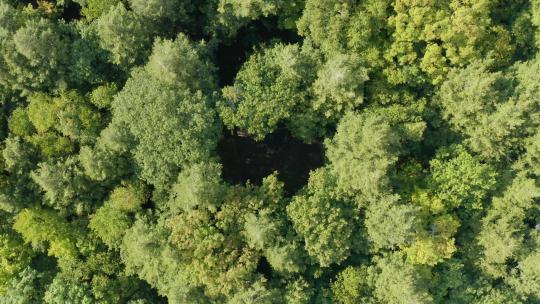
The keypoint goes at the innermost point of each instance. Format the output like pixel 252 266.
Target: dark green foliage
pixel 25 288
pixel 176 129
pixel 125 35
pixel 326 225
pixel 171 120
pixel 504 232
pixel 35 55
pixel 64 186
pixel 396 281
pixel 390 224
pixel 340 86
pixel 198 186
pixel 93 9
pixel 77 119
pixel 112 219
pixel 103 95
pixel 458 178
pixel 181 63
pixel 352 285
pixel 490 109
pixel 361 155
pixel 270 151
pixel 163 10
pixel 64 290
pixel 103 165
pixel 15 257
pixel 46 230
pixel 270 87
pixel 19 124
pixel 390 280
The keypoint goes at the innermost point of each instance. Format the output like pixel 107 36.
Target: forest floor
pixel 245 159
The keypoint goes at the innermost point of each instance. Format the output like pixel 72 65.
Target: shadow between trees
pixel 245 159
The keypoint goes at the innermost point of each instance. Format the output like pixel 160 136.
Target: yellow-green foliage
pixel 270 151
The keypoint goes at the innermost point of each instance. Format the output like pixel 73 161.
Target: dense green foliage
pixel 116 185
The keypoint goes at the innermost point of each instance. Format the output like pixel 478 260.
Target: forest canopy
pixel 270 151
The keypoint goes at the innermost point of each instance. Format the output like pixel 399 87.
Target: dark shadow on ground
pixel 245 159
pixel 230 56
pixel 69 11
pixel 72 11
